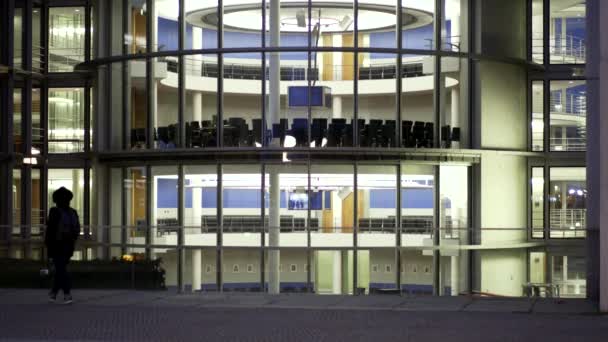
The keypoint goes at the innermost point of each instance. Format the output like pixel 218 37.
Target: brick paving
pixel 163 316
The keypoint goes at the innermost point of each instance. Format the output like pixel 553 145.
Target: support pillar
pixel 455 275
pixel 274 257
pixel 336 103
pixel 337 273
pixel 274 70
pixel 196 269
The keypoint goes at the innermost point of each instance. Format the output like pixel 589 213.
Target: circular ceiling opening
pixel 329 16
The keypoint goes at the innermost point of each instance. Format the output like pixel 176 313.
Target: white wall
pixel 503 272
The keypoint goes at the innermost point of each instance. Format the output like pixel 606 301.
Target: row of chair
pixel 323 133
pixel 234 223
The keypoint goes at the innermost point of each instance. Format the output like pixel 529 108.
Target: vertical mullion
pixel 219 229
pixel 86 210
pixel 87 31
pixel 546 208
pixel 44 116
pixel 181 92
pixel 399 67
pixel 355 228
pixel 547 116
pixel 263 231
pixel 123 221
pixel 436 233
pixel 263 77
pixel 87 116
pixel 220 74
pixel 149 222
pixel 355 123
pixel 398 227
pixel 181 253
pixel 437 75
pixel 150 81
pixel 126 88
pixel 308 234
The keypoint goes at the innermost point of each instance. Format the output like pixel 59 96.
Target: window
pixel 567 202
pixel 537 196
pixel 567 32
pixel 66 38
pixel 66 120
pixel 375 268
pixel 568 111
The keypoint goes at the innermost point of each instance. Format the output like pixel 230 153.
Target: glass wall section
pixel 568 115
pixel 537 188
pixel 454 228
pixel 417 101
pixel 165 104
pixel 137 106
pixel 136 36
pixel 37 49
pixel 18 37
pixel 242 234
pixel 377 24
pixel 165 25
pixel 66 38
pixel 333 120
pixel 377 112
pixel 165 199
pixel 200 211
pixel 570 274
pixel 71 179
pixel 567 202
pixel 17 193
pixel 202 21
pixel 538 114
pixel 17 116
pixel 454 30
pixel 418 30
pixel 331 24
pixel 568 33
pixel 454 102
pixel 37 130
pixel 114 233
pixel 242 114
pixel 417 222
pixel 66 120
pixel 38 216
pixel 201 99
pixel 537 31
pixel 337 213
pixel 135 197
pixel 287 202
pixel 377 227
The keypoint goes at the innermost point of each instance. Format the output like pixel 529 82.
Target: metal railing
pixel 568 144
pixel 64 59
pixel 562 49
pixel 567 223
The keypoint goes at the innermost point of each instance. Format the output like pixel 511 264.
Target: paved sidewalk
pixel 164 316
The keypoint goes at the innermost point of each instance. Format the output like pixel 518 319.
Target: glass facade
pixel 345 147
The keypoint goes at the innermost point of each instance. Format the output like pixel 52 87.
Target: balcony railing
pixel 567 223
pixel 562 49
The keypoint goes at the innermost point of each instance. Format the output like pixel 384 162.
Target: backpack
pixel 67 227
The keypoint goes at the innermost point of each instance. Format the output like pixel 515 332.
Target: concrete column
pixel 337 273
pixel 336 103
pixel 197 206
pixel 274 69
pixel 455 275
pixel 197 106
pixel 197 68
pixel 274 257
pixel 196 269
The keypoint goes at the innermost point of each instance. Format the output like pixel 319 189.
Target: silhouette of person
pixel 63 229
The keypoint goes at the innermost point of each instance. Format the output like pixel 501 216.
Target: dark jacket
pixel 63 247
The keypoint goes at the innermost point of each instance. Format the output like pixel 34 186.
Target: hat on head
pixel 62 195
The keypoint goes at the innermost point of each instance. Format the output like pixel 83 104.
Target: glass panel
pixel 66 120
pixel 332 24
pixel 242 22
pixel 37 49
pixel 17 126
pixel 538 122
pixel 377 189
pixel 242 100
pixel 287 202
pixel 242 204
pixel 164 114
pixel 454 30
pixel 377 271
pixel 166 15
pixel 417 202
pixel 38 214
pixel 568 116
pixel 136 37
pixel 454 102
pixel 66 38
pixel 336 214
pixel 537 204
pixel 201 100
pixel 165 199
pixel 71 179
pixel 417 108
pixel 200 212
pixel 138 97
pixel 569 274
pixel 135 192
pixel 37 132
pixel 537 31
pixel 201 23
pixel 377 102
pixel 377 24
pixel 567 202
pixel 114 232
pixel 418 31
pixel 18 38
pixel 16 195
pixel 568 32
pixel 332 120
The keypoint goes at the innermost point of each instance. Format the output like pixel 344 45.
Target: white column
pixel 274 257
pixel 197 106
pixel 274 68
pixel 455 275
pixel 197 206
pixel 196 67
pixel 196 269
pixel 337 273
pixel 336 106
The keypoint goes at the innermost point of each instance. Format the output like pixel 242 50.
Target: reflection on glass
pixel 66 38
pixel 568 202
pixel 568 113
pixel 200 191
pixel 537 31
pixel 568 32
pixel 569 273
pixel 66 120
pixel 537 202
pixel 538 123
pixel 201 99
pixel 418 31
